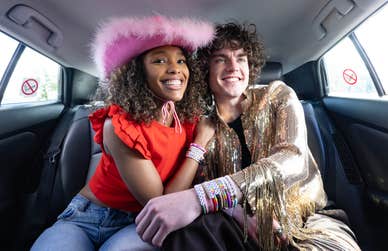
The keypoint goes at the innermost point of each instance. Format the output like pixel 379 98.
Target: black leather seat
pixel 77 163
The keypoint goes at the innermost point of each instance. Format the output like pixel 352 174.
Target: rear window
pixel 357 66
pixel 31 77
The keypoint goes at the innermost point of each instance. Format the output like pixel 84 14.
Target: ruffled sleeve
pixel 126 129
pixel 97 120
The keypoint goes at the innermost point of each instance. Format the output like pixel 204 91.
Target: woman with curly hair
pixel 147 131
pixel 260 179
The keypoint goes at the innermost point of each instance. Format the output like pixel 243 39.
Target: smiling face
pixel 228 73
pixel 166 72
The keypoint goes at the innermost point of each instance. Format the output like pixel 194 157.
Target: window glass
pixel 35 79
pixel 7 47
pixel 373 37
pixel 346 72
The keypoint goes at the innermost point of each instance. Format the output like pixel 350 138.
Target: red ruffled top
pixel 158 143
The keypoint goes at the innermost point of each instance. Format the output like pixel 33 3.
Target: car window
pixel 346 72
pixel 35 78
pixel 356 66
pixel 373 36
pixel 8 47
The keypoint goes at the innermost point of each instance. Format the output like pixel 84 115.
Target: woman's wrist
pixel 200 142
pixel 196 152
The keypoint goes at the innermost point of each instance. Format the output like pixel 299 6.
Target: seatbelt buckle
pixel 52 156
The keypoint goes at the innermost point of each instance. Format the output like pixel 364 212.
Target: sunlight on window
pixel 35 79
pixel 346 72
pixel 373 36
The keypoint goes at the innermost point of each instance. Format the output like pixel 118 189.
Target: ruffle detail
pixel 126 129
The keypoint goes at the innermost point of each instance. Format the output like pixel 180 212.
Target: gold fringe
pixel 273 202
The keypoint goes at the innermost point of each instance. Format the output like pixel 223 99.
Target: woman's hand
pixel 204 131
pixel 165 214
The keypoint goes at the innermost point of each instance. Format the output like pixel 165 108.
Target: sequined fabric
pixel 275 132
pixel 284 180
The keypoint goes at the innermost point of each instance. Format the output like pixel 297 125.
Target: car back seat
pixel 80 154
pixel 78 159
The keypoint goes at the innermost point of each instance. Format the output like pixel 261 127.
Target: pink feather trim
pixel 121 39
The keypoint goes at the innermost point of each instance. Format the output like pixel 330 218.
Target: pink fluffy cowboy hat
pixel 121 39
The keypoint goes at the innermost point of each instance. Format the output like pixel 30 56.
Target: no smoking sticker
pixel 349 76
pixel 29 87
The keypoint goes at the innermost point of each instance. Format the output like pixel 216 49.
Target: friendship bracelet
pixel 195 153
pixel 227 195
pixel 209 189
pixel 221 193
pixel 222 189
pixel 201 196
pixel 199 147
pixel 217 194
pixel 231 187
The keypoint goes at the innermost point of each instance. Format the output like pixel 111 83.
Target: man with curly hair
pixel 260 178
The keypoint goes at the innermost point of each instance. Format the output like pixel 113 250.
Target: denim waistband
pixel 81 202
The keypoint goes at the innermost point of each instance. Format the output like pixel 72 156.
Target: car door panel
pixel 24 134
pixel 364 124
pixel 15 119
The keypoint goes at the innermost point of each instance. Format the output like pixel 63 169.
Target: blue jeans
pixel 87 226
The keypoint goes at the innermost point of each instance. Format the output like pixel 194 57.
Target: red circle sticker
pixel 29 86
pixel 349 76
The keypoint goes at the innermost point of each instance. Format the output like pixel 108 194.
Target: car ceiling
pixel 291 29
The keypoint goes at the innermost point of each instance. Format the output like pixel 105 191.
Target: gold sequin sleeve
pixel 286 156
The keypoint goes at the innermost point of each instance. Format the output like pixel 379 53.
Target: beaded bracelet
pixel 211 193
pixel 225 191
pixel 222 189
pixel 231 188
pixel 221 193
pixel 202 198
pixel 199 147
pixel 195 153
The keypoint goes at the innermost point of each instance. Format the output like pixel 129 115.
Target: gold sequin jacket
pixel 283 178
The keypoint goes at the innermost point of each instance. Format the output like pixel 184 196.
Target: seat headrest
pixel 271 71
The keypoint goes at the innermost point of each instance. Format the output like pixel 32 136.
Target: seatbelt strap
pixel 50 165
pixel 327 131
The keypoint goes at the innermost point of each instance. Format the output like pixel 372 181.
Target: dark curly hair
pixel 127 88
pixel 235 36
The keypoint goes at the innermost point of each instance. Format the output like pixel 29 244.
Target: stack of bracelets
pixel 196 152
pixel 221 192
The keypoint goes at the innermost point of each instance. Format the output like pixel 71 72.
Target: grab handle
pixel 22 15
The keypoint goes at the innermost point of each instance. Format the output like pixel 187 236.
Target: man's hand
pixel 238 214
pixel 165 214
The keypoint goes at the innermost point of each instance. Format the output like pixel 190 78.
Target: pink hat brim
pixel 122 39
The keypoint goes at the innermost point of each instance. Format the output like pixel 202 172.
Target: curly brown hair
pixel 235 36
pixel 127 88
